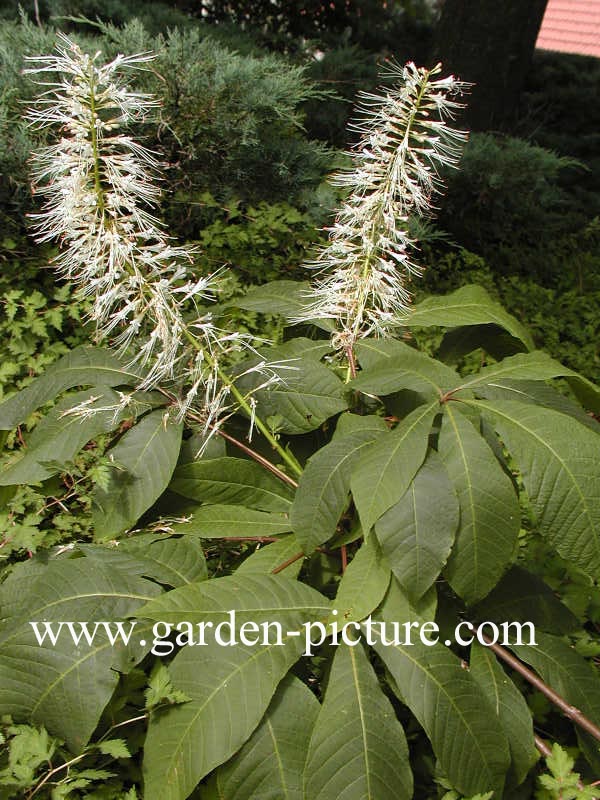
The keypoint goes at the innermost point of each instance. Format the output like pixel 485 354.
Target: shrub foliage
pixel 381 485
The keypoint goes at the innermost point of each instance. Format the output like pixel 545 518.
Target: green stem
pixel 243 403
pixel 95 151
pixel 288 458
pixel 351 371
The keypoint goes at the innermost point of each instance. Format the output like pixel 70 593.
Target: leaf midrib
pixel 361 713
pixel 392 455
pixel 472 506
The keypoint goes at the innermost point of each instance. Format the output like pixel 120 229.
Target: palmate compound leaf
pixel 489 509
pixel 148 453
pixel 231 481
pixel 66 686
pixel 230 687
pixel 324 487
pixel 559 460
pixel 416 534
pixel 358 749
pixel 511 709
pixel 270 766
pixel 389 465
pixel 84 366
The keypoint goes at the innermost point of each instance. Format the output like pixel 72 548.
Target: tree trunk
pixel 489 43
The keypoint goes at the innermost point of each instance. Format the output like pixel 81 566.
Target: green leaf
pixel 271 763
pixel 231 481
pixel 348 423
pixel 253 597
pixel 117 748
pixel 198 447
pixel 559 461
pixel 307 397
pixel 559 762
pixel 230 689
pixel 389 465
pixel 267 557
pixel 403 367
pixel 363 585
pixel 300 347
pixel 522 596
pixel 161 690
pixel 287 298
pixel 536 366
pixel 540 394
pixel 324 487
pixel 58 438
pixel 148 452
pixel 218 521
pixel 585 391
pixel 398 607
pixel 358 749
pixel 84 366
pixel 510 707
pixel 469 305
pixel 65 687
pixel 172 561
pixel 459 342
pixel 453 710
pixel 416 534
pixel 571 676
pixel 490 517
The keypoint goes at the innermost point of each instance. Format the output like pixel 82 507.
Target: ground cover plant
pixel 340 474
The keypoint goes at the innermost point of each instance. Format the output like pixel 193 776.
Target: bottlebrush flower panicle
pixel 98 186
pixel 367 266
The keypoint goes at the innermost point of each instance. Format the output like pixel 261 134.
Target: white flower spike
pixel 367 266
pixel 99 186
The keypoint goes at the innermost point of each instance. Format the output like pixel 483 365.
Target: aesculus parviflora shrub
pixel 360 480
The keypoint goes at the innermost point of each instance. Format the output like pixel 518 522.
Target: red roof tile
pixel 571 26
